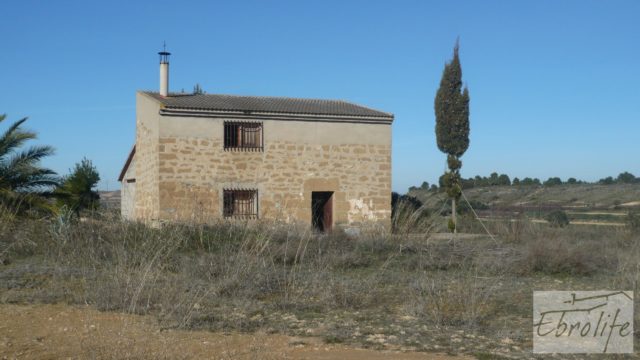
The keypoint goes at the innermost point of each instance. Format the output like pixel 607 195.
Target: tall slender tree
pixel 452 127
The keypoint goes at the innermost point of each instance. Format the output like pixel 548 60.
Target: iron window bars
pixel 244 136
pixel 240 204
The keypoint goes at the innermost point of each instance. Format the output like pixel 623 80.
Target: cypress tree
pixel 452 127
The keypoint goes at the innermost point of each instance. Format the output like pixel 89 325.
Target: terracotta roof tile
pixel 282 105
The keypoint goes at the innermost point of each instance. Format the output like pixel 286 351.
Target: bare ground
pixel 62 331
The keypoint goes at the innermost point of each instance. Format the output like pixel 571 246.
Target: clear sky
pixel 553 84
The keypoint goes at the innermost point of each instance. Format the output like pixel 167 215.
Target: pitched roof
pixel 127 163
pixel 265 104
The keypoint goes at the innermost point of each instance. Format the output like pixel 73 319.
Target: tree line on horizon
pixel 496 179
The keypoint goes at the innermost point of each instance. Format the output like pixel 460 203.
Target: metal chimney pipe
pixel 164 73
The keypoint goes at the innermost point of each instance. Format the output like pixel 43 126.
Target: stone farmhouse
pixel 200 157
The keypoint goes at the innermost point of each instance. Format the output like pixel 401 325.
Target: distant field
pixel 603 205
pixel 110 199
pixel 576 196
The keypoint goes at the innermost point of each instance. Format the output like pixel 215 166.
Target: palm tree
pixel 24 184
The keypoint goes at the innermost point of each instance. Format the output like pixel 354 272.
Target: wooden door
pixel 322 210
pixel 327 211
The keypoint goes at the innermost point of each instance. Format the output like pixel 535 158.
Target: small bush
pixel 557 218
pixel 633 221
pixel 463 299
pixel 451 226
pixel 563 255
pixel 408 215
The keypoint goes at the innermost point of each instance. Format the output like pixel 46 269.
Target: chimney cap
pixel 164 54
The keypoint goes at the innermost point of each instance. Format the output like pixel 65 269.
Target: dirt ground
pixel 62 331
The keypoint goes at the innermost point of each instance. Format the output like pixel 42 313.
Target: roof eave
pixel 189 112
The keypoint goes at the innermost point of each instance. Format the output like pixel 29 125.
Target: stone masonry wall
pixel 193 171
pixel 128 193
pixel 146 159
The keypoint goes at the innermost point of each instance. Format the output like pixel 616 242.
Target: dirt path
pixel 60 331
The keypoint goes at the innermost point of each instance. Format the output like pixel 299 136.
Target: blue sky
pixel 553 84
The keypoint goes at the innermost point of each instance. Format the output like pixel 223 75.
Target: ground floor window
pixel 241 204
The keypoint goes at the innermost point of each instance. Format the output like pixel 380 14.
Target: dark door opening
pixel 322 210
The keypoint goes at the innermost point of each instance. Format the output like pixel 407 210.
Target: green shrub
pixel 408 215
pixel 567 254
pixel 451 225
pixel 633 220
pixel 557 218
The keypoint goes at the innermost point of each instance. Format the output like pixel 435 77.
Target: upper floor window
pixel 243 136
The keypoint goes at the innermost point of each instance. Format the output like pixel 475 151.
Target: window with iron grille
pixel 242 204
pixel 245 136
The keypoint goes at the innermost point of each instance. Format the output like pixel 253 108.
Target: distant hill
pixel 110 199
pixel 567 196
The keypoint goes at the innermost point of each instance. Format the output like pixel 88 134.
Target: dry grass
pixel 281 278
